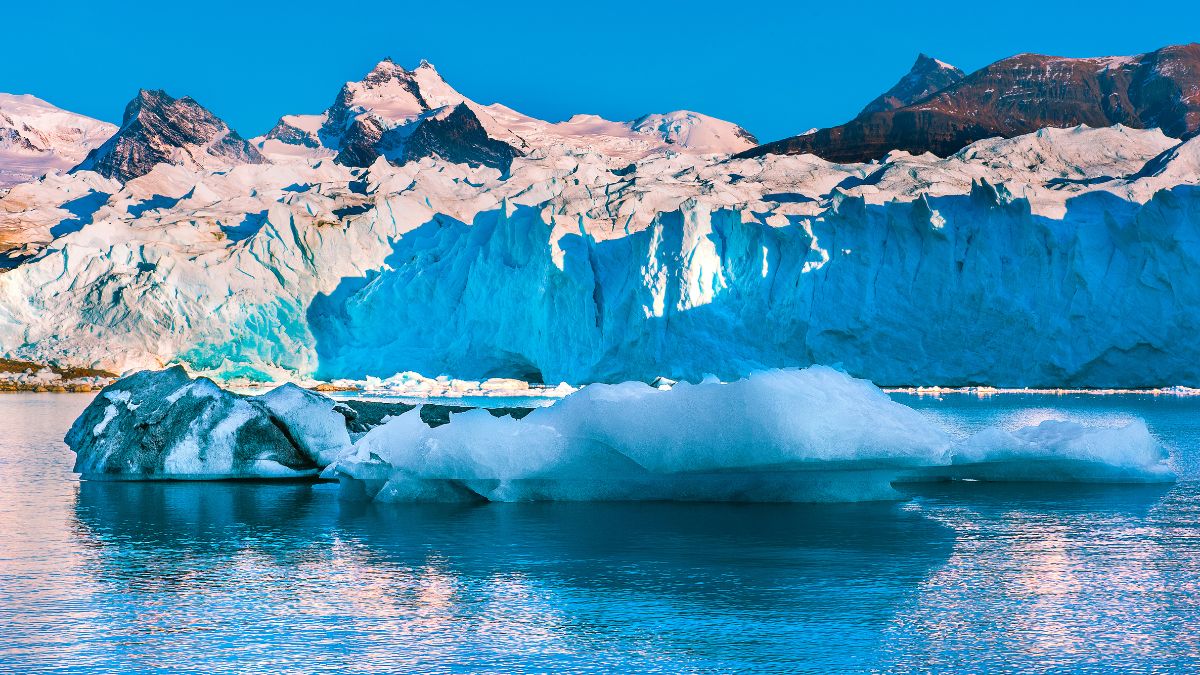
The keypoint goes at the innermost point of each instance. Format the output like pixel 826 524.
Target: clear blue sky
pixel 775 68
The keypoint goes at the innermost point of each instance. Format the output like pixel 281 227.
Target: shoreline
pixel 39 378
pixel 18 376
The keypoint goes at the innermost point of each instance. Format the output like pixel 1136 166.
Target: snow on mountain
pixel 376 117
pixel 680 131
pixel 294 137
pixel 1058 258
pixel 157 128
pixel 36 137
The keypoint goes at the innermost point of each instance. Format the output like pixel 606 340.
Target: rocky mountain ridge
pixel 1019 95
pixel 158 129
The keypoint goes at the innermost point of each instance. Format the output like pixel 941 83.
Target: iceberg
pixel 1056 451
pixel 785 435
pixel 166 425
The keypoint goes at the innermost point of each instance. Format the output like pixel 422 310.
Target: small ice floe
pixel 414 385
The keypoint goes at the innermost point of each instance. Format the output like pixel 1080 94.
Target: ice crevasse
pixel 807 435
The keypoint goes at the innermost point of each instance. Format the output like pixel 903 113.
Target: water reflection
pixel 118 577
pixel 564 586
pixel 1074 578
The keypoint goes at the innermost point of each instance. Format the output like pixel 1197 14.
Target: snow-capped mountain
pixel 36 137
pixel 157 128
pixel 927 76
pixel 1019 95
pixel 405 115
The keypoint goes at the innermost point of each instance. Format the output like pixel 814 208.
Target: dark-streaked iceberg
pixel 166 425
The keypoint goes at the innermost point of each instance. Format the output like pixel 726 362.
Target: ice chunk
pixel 783 435
pixel 311 422
pixel 1055 451
pixel 165 424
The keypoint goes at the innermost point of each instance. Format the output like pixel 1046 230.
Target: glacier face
pixel 1056 258
pixel 955 290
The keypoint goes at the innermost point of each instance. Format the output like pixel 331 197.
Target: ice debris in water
pixel 815 434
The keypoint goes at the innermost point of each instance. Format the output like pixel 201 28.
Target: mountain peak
pixel 144 98
pixel 927 62
pixel 158 128
pixel 389 93
pixel 37 137
pixel 926 77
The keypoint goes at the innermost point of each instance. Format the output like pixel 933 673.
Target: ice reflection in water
pixel 213 577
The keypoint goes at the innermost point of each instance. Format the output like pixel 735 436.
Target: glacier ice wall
pixel 953 290
pixel 1062 258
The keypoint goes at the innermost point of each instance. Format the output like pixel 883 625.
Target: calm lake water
pixel 225 577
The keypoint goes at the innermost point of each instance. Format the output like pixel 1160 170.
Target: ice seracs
pixel 578 267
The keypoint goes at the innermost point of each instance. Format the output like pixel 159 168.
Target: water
pixel 242 577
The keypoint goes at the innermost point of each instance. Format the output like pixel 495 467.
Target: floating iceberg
pixel 807 435
pixel 166 425
pixel 783 435
pixel 1064 451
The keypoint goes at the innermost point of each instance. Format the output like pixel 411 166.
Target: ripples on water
pixel 260 577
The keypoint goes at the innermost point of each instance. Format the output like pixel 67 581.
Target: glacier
pixel 811 435
pixel 1058 258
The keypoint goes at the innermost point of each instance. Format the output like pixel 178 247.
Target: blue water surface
pixel 246 577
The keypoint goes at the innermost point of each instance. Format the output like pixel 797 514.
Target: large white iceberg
pixel 782 435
